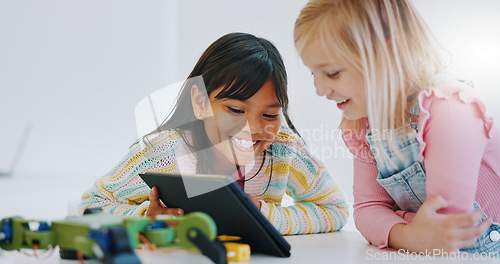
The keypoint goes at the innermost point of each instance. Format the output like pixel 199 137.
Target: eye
pixel 270 116
pixel 236 111
pixel 333 75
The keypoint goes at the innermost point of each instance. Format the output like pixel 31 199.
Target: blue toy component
pixel 156 225
pixel 7 230
pixel 102 237
pixel 111 238
pixel 43 227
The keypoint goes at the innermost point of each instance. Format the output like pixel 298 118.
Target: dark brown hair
pixel 240 63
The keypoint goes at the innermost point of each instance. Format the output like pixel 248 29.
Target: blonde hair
pixel 387 41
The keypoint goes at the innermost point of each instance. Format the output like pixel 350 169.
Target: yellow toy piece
pixel 225 238
pixel 237 252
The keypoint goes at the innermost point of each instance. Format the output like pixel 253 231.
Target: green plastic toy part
pixel 99 235
pixel 199 220
pixel 21 236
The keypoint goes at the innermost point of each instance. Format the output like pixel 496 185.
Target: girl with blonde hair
pixel 426 154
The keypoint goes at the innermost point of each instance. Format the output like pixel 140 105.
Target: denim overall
pixel 404 179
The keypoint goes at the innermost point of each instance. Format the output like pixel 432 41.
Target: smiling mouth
pixel 243 143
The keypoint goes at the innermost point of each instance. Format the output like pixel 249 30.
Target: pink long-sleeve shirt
pixel 460 148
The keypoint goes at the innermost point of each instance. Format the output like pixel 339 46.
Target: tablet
pixel 232 210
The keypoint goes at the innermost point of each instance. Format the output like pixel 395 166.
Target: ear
pixel 199 102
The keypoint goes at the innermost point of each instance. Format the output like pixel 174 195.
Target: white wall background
pixel 74 71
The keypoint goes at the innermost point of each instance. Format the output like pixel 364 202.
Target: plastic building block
pixel 113 238
pixel 237 252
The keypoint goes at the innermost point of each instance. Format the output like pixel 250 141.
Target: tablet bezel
pixel 222 204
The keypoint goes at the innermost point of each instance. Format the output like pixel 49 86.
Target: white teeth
pixel 243 142
pixel 343 101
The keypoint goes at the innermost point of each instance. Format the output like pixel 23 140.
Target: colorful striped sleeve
pixel 122 191
pixel 319 203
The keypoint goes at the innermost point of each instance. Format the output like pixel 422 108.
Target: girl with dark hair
pixel 228 120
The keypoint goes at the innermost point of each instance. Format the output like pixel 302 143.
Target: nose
pixel 322 89
pixel 254 124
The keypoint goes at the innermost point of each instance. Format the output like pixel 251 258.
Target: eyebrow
pixel 277 105
pixel 337 67
pixel 325 64
pixel 244 101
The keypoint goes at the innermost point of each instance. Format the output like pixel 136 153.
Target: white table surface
pixel 52 197
pixel 339 247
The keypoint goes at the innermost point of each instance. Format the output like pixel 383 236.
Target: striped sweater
pixel 319 203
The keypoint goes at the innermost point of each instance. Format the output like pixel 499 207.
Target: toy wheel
pixel 67 253
pixel 198 220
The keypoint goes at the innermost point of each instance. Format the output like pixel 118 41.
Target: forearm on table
pixel 307 217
